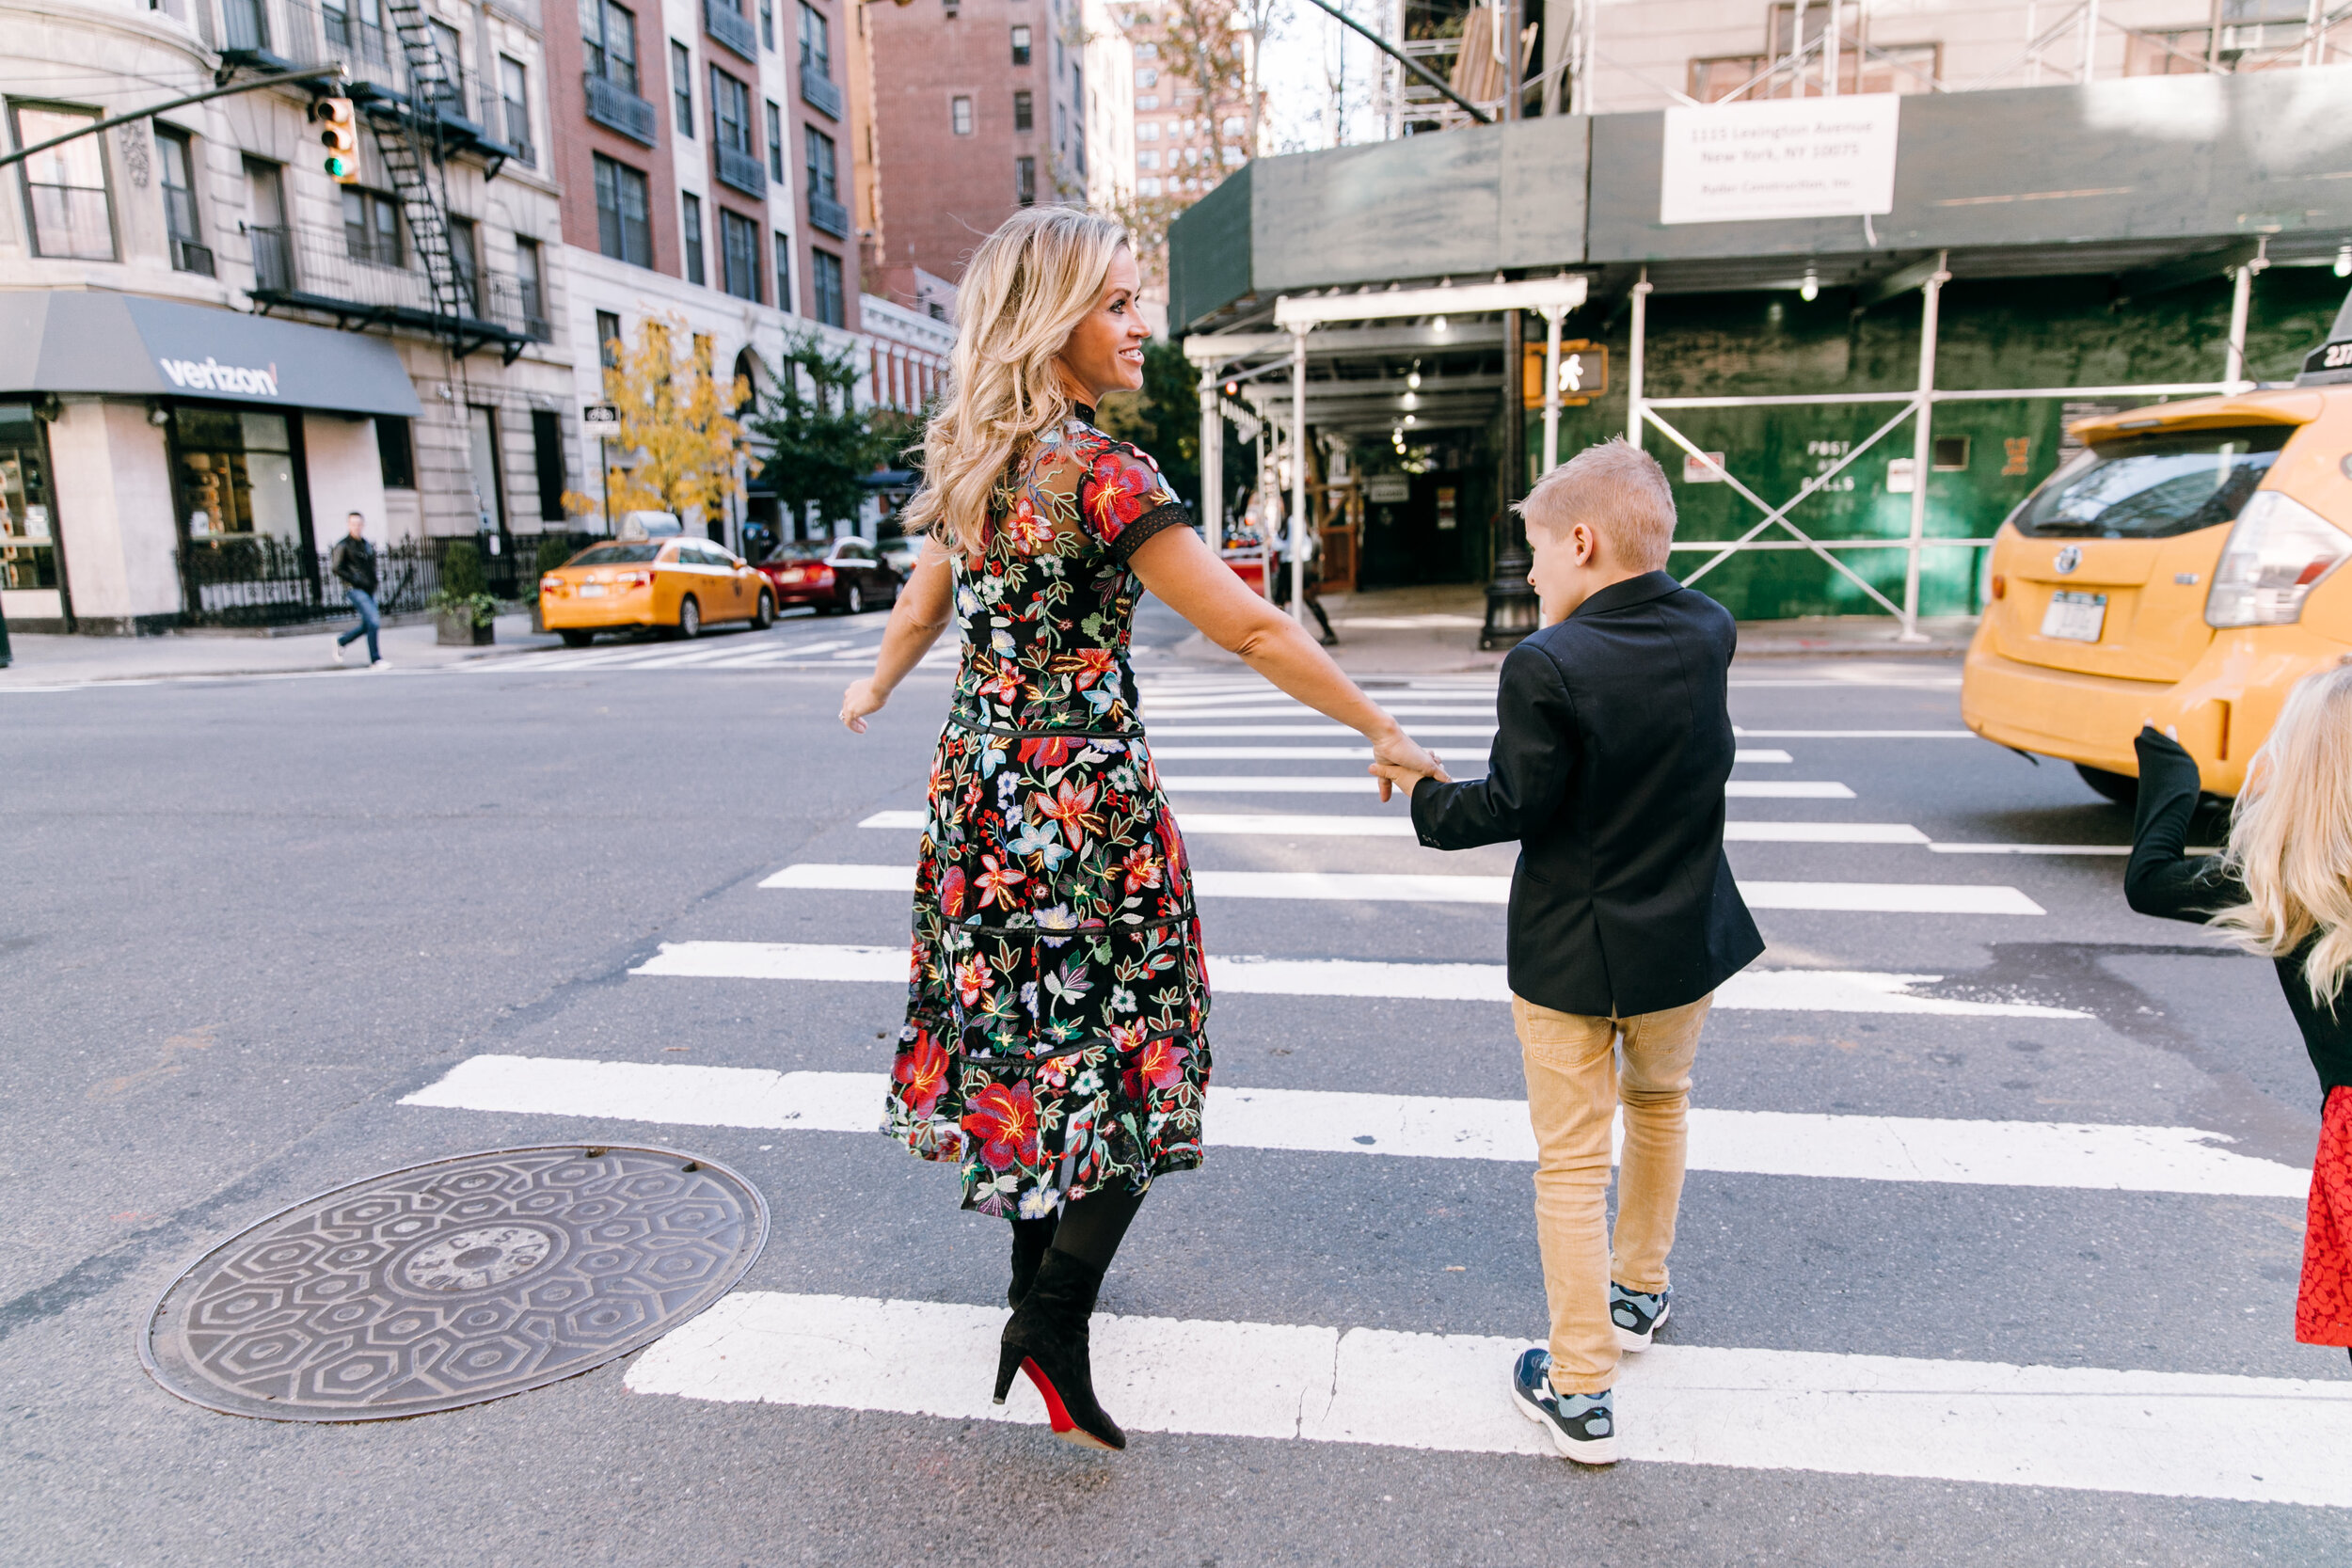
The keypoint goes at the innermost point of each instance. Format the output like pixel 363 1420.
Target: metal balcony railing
pixel 334 269
pixel 819 93
pixel 744 172
pixel 273 260
pixel 617 108
pixel 732 29
pixel 828 214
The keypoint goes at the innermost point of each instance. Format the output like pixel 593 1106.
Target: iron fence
pixel 262 581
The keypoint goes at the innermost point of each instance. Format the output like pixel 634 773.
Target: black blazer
pixel 1612 744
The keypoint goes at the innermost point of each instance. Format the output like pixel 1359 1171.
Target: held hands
pixel 861 698
pixel 1398 761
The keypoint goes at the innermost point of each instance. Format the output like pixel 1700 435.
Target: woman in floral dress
pixel 1055 1046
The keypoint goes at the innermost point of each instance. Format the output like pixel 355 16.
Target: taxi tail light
pixel 634 580
pixel 551 584
pixel 2278 550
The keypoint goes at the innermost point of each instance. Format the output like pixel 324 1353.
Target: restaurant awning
pixel 87 342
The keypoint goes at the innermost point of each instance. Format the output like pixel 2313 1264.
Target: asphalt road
pixel 243 920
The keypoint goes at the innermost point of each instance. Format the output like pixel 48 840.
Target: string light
pixel 2344 262
pixel 1810 288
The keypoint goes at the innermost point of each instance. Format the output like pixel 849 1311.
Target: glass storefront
pixel 28 511
pixel 235 473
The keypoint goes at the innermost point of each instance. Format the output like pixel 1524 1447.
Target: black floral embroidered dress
pixel 1054 1038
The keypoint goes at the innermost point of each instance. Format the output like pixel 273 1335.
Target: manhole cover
pixel 454 1282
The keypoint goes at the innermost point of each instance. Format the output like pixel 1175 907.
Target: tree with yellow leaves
pixel 679 442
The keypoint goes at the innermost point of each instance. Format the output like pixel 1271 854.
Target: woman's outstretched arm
pixel 925 606
pixel 1186 575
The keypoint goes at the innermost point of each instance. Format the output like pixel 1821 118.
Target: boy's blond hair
pixel 1616 490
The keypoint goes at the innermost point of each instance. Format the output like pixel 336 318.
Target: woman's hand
pixel 861 698
pixel 1399 761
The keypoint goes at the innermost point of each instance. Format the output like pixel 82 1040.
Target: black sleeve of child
pixel 2161 878
pixel 1527 772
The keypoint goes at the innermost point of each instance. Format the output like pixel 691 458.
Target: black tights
pixel 1090 1229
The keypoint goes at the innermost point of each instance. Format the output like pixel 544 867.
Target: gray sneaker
pixel 1636 1314
pixel 1583 1427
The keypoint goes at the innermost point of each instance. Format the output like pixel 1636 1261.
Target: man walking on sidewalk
pixel 353 563
pixel 1612 744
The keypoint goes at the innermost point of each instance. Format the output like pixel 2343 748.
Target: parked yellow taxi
pixel 2185 569
pixel 679 585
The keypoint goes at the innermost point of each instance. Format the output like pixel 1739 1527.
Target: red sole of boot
pixel 1064 1428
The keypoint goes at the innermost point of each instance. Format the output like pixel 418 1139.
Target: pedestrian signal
pixel 1583 373
pixel 340 133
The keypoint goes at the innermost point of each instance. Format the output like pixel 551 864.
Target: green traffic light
pixel 339 166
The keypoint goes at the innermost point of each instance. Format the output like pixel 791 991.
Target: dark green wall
pixel 2023 332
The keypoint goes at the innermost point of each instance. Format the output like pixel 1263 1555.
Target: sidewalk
pixel 1434 630
pixel 42 658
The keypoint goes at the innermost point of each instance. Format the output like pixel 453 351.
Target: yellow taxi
pixel 678 585
pixel 2182 568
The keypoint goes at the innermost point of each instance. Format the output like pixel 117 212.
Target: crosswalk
pixel 2107 1425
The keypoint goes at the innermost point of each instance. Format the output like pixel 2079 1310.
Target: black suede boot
pixel 1047 1338
pixel 1030 1238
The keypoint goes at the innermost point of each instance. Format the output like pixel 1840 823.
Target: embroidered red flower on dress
pixel 951 893
pixel 1089 664
pixel 1073 808
pixel 1157 1065
pixel 1048 750
pixel 921 1073
pixel 1142 868
pixel 1121 487
pixel 1002 683
pixel 1027 530
pixel 998 881
pixel 1005 1120
pixel 972 979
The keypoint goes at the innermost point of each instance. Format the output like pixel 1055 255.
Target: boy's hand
pixel 1399 761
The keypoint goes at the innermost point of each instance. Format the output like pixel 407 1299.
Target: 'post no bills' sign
pixel 1780 158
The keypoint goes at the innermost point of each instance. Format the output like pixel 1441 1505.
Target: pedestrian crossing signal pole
pixel 340 134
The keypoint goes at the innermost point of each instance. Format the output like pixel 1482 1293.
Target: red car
pixel 843 576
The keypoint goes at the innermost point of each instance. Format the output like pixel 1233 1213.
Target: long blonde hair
pixel 2291 836
pixel 1029 285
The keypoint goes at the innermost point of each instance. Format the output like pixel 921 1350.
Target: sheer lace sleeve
pixel 1122 500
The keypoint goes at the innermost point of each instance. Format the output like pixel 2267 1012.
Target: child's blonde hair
pixel 2291 836
pixel 1616 490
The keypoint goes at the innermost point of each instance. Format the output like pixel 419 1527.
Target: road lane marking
pixel 1293 783
pixel 1329 727
pixel 1445 888
pixel 2177 1435
pixel 1949 1151
pixel 1852 734
pixel 1351 753
pixel 1364 826
pixel 1812 990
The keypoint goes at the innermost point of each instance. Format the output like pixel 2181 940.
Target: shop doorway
pixel 32 571
pixel 489 482
pixel 1421 536
pixel 244 507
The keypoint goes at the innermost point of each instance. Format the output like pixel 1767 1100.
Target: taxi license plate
pixel 2075 617
pixel 592 591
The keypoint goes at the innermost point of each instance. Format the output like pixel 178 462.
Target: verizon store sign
pixel 1780 158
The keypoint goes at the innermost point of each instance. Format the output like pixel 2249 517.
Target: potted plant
pixel 465 614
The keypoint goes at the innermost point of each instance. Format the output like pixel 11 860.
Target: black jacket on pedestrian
pixel 2162 879
pixel 353 563
pixel 1613 746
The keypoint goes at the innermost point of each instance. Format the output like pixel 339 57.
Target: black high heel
pixel 1030 1238
pixel 1047 1338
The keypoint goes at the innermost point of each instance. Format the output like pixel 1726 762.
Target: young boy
pixel 1613 746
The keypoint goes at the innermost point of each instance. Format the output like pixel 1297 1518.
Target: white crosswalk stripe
pixel 1764 990
pixel 1872 897
pixel 2180 1435
pixel 1294 783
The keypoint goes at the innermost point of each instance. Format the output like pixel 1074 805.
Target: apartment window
pixel 1024 110
pixel 820 165
pixel 65 188
pixel 514 102
pixel 531 288
pixel 816 42
pixel 372 227
pixel 1024 182
pixel 175 159
pixel 682 88
pixel 1234 125
pixel 1147 77
pixel 1147 159
pixel 395 454
pixel 609 36
pixel 624 230
pixel 960 116
pixel 775 143
pixel 265 225
pixel 1021 46
pixel 692 205
pixel 768 23
pixel 1148 101
pixel 1148 186
pixel 738 254
pixel 1147 131
pixel 731 113
pixel 825 284
pixel 465 253
pixel 608 338
pixel 784 272
pixel 1146 51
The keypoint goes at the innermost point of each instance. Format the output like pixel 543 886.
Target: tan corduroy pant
pixel 1574 1088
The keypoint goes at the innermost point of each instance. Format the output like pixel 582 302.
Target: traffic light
pixel 340 133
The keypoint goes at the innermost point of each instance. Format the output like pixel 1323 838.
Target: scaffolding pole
pixel 1212 460
pixel 1551 386
pixel 1923 440
pixel 1633 368
pixel 1298 475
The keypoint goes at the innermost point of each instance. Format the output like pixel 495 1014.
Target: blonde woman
pixel 1055 1046
pixel 2283 889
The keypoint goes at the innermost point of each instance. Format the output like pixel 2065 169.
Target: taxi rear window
pixel 615 555
pixel 2154 487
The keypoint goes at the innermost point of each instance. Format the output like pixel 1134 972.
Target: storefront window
pixel 28 528
pixel 236 476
